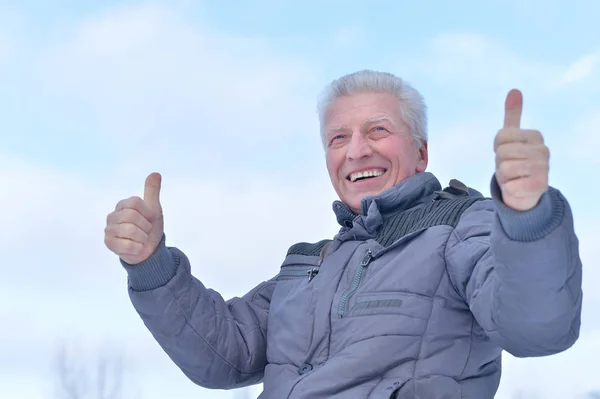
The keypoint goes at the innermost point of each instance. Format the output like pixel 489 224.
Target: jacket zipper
pixel 355 283
pixel 311 273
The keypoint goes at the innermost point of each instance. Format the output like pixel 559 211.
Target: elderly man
pixel 417 294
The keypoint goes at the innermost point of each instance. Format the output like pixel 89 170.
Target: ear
pixel 422 158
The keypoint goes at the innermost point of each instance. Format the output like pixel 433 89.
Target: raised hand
pixel 135 228
pixel 522 158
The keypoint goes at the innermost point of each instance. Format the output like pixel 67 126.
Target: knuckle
pixel 136 202
pixel 131 202
pixel 127 215
pixel 109 230
pixel 128 246
pixel 129 230
pixel 110 218
pixel 121 204
pixel 537 135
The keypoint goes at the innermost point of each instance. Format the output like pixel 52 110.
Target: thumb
pixel 513 107
pixel 152 190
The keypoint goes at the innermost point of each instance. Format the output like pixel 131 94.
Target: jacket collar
pixel 415 190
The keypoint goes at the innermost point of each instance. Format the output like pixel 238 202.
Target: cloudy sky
pixel 221 101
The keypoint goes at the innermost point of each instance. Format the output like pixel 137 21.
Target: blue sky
pixel 222 102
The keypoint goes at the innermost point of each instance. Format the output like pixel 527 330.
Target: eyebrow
pixel 379 119
pixel 333 130
pixel 367 122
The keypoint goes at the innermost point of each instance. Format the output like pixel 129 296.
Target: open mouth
pixel 366 174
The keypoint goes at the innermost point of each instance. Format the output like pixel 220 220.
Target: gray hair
pixel 412 105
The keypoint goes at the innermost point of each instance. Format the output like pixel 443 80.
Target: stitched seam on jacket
pixel 453 233
pixel 426 327
pixel 461 375
pixel 262 287
pixel 460 240
pixel 491 275
pixel 341 272
pixel 187 322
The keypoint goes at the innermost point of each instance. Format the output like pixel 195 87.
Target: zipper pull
pixel 367 259
pixel 312 273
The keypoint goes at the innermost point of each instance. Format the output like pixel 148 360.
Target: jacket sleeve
pixel 218 344
pixel 520 273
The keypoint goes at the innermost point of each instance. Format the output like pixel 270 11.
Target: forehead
pixel 361 108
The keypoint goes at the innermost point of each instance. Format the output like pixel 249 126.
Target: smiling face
pixel 369 148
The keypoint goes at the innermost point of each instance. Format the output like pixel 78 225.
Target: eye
pixel 337 137
pixel 379 132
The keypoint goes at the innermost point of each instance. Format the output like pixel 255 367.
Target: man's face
pixel 369 148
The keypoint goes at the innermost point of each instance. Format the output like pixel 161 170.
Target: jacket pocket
pixel 289 325
pixel 398 319
pixel 387 388
pixel 429 387
pixel 391 302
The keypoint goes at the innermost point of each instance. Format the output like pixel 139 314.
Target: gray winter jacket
pixel 414 298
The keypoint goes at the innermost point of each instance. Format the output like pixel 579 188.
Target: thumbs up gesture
pixel 522 159
pixel 135 228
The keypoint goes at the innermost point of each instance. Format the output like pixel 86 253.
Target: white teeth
pixel 366 173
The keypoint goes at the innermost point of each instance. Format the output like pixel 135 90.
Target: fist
pixel 135 228
pixel 522 159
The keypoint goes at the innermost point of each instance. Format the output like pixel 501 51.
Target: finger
pixel 127 231
pixel 513 107
pixel 512 150
pixel 515 135
pixel 152 190
pixel 137 204
pixel 121 246
pixel 519 150
pixel 129 215
pixel 523 188
pixel 519 168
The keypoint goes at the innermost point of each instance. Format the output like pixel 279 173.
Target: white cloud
pixel 147 70
pixel 476 62
pixel 580 69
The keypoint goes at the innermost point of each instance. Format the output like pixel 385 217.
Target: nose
pixel 359 147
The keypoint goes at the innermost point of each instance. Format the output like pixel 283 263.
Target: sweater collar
pixel 410 192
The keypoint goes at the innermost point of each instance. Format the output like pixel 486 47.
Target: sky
pixel 222 102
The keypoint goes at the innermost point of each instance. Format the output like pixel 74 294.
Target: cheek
pixel 404 159
pixel 332 163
